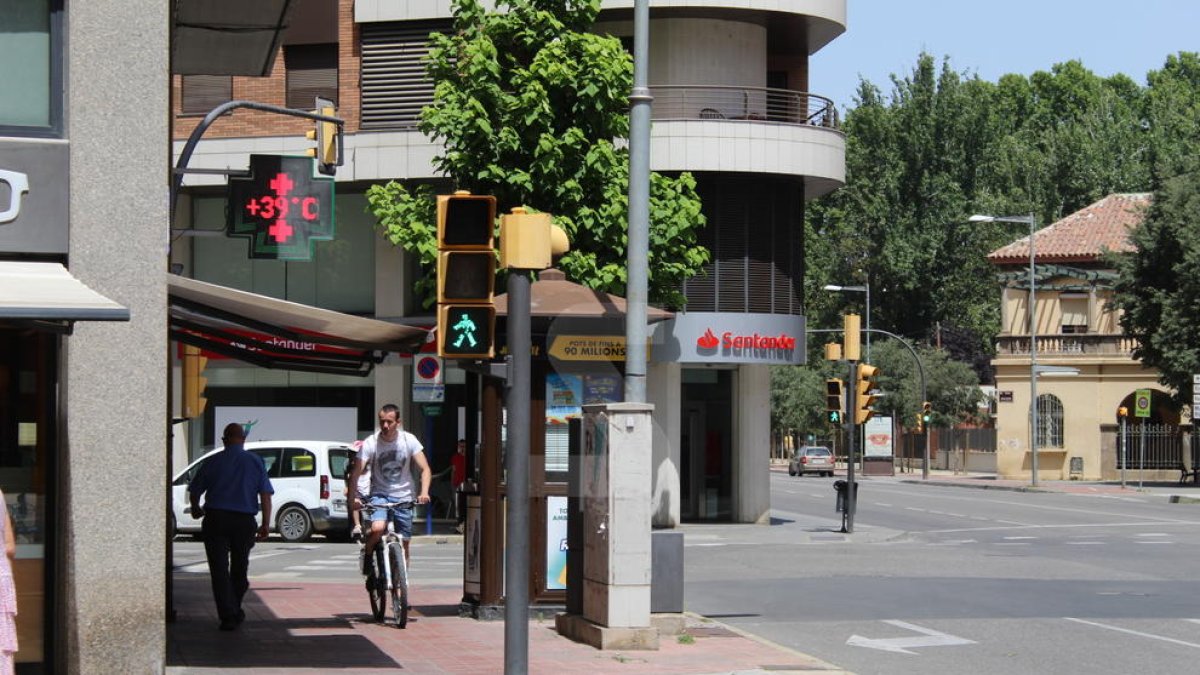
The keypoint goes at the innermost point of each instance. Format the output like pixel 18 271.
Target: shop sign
pixel 719 337
pixel 34 196
pixel 589 348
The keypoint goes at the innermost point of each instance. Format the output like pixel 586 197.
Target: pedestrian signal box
pixel 833 401
pixel 466 275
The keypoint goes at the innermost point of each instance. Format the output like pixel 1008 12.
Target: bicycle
pixel 388 571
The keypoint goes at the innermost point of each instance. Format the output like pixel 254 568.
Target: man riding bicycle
pixel 389 455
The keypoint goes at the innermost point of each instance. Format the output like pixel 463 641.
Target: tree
pixel 528 106
pixel 951 386
pixel 1159 284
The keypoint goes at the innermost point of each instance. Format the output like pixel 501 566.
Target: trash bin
pixel 840 487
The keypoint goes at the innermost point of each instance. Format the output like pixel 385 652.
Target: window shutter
pixel 312 71
pixel 202 93
pixel 394 85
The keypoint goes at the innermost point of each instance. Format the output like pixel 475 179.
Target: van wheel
pixel 294 524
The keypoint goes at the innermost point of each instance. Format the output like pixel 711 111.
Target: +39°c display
pixel 281 207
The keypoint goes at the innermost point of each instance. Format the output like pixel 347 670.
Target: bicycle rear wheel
pixel 375 590
pixel 399 585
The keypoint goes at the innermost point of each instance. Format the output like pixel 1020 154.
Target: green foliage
pixel 951 386
pixel 798 397
pixel 1159 285
pixel 527 105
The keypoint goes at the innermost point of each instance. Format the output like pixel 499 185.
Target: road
pixel 953 580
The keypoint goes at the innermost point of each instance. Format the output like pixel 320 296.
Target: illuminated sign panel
pixel 281 207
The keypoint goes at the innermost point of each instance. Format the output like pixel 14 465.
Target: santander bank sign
pixel 732 338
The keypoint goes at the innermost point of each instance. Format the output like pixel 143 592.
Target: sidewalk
pixel 308 627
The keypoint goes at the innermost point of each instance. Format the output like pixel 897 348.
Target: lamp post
pixel 860 289
pixel 1031 220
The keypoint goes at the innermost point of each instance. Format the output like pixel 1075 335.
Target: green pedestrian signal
pixel 468 331
pixel 835 416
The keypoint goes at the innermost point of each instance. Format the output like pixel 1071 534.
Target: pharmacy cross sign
pixel 280 207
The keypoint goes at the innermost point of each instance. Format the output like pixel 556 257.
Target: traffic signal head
pixel 1123 412
pixel 326 136
pixel 863 399
pixel 529 241
pixel 833 400
pixel 194 382
pixel 851 336
pixel 920 423
pixel 466 275
pixel 926 412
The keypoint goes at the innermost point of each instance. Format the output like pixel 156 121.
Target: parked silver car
pixel 811 459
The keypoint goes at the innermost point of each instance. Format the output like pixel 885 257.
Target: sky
pixel 991 38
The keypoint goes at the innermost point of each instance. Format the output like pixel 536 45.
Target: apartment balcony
pixel 1082 347
pixel 748 130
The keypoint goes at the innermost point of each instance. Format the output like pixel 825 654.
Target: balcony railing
pixel 675 102
pixel 1082 345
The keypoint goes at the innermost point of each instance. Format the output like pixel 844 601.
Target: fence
pixel 1155 446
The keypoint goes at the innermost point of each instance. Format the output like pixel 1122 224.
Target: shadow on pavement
pixel 264 640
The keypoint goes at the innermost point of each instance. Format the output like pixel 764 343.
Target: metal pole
pixel 1142 456
pixel 852 442
pixel 516 548
pixel 867 285
pixel 1033 406
pixel 1124 446
pixel 639 209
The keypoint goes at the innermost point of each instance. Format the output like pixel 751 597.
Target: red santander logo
pixel 732 342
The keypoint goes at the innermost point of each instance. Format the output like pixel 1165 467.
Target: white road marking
pixel 1022 526
pixel 1154 542
pixel 1086 543
pixel 884 504
pixel 1152 534
pixel 1020 537
pixel 1010 543
pixel 1135 632
pixel 903 645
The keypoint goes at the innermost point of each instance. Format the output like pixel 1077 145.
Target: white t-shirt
pixel 391 464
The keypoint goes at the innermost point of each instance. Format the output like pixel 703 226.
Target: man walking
pixel 232 480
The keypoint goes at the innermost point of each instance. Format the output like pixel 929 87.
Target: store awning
pixel 227 37
pixel 273 333
pixel 46 291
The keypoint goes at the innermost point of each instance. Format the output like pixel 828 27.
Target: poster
pixel 878 437
pixel 556 543
pixel 564 398
pixel 603 389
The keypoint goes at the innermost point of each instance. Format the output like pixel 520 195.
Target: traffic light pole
pixel 851 447
pixel 516 547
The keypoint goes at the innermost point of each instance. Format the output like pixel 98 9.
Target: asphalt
pixel 307 627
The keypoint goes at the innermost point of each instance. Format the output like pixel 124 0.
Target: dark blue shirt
pixel 233 479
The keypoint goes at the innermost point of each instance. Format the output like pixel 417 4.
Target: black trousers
pixel 228 538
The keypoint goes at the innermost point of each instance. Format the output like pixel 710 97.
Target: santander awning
pixel 279 334
pixel 48 292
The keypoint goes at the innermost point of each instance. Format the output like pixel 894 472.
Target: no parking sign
pixel 428 386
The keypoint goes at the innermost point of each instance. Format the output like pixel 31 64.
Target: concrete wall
pixel 709 52
pixel 113 457
pixel 662 389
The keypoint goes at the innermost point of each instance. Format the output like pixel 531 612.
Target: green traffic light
pixel 835 417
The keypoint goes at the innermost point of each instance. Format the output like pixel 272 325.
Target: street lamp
pixel 860 289
pixel 1031 220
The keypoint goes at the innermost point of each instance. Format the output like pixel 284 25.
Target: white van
pixel 309 482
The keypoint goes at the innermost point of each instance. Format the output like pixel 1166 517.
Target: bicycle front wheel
pixel 375 590
pixel 399 585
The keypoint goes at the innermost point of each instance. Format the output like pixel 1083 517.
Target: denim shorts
pixel 401 516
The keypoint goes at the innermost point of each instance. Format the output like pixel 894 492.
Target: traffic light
pixel 326 135
pixel 833 400
pixel 920 423
pixel 466 275
pixel 926 412
pixel 530 241
pixel 863 398
pixel 194 382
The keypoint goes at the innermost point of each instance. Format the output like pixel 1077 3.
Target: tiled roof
pixel 1083 235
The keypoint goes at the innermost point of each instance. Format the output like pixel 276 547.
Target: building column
pixel 752 462
pixel 663 383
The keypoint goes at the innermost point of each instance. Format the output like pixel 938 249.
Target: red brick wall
pixel 271 90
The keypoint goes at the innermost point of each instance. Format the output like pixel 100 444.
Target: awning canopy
pixel 227 37
pixel 46 291
pixel 273 333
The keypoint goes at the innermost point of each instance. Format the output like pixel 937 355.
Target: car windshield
pixel 824 452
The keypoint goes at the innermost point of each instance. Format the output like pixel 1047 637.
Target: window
pixel 270 457
pixel 394 85
pixel 202 93
pixel 1074 314
pixel 1050 422
pixel 298 462
pixel 339 463
pixel 312 71
pixel 32 54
